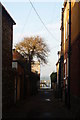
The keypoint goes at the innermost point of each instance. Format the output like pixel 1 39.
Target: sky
pixel 28 24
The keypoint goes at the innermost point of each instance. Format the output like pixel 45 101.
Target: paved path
pixel 44 105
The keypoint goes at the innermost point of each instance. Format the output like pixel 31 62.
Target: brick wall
pixel 7 82
pixel 20 75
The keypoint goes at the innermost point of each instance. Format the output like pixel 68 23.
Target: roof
pixel 3 8
pixel 18 56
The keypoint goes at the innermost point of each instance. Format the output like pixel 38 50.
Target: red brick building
pixel 18 75
pixel 21 76
pixel 19 66
pixel 25 85
pixel 7 40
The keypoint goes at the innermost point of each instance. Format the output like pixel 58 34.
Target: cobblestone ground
pixel 43 105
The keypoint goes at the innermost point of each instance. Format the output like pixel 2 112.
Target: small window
pixel 14 65
pixel 65 69
pixel 67 66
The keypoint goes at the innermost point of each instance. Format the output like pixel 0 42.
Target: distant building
pixel 59 73
pixel 36 67
pixel 7 40
pixel 45 84
pixel 58 68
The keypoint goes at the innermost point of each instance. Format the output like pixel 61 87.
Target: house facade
pixel 75 49
pixel 7 40
pixel 59 84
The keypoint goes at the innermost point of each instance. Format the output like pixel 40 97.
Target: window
pixel 65 69
pixel 67 66
pixel 14 65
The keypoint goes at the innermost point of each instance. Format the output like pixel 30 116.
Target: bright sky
pixel 28 23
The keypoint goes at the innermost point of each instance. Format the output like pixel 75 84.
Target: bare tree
pixel 32 47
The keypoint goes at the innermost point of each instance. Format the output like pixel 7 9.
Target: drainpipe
pixel 69 52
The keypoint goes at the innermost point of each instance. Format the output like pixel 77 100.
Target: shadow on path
pixel 43 105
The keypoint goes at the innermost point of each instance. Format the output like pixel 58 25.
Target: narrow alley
pixel 40 59
pixel 43 105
